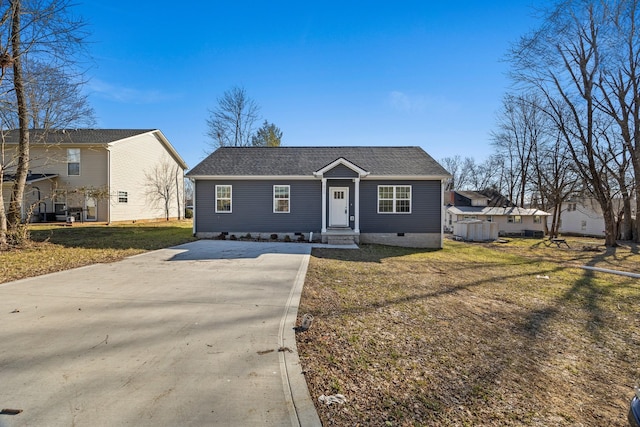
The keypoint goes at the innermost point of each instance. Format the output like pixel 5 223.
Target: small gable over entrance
pixel 341 168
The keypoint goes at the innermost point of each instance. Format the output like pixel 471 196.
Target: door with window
pixel 339 207
pixel 90 209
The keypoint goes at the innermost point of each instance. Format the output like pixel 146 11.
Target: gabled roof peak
pixel 342 161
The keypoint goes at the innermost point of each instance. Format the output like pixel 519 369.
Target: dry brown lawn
pixel 472 335
pixel 56 247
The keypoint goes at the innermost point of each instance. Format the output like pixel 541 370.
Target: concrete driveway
pixel 182 336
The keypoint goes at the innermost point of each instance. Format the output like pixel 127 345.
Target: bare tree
pixel 453 166
pixel 269 135
pixel 562 61
pixel 483 175
pixel 188 191
pixel 38 30
pixel 554 177
pixel 161 186
pixel 56 100
pixel 521 127
pixel 619 85
pixel 232 123
pixel 466 173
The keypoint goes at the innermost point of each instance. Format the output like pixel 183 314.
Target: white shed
pixel 476 230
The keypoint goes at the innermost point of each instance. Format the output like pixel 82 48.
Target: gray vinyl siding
pixel 252 207
pixel 340 171
pixel 426 209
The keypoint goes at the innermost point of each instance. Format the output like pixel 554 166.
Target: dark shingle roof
pixel 300 161
pixel 75 136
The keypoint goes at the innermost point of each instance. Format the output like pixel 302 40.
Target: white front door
pixel 339 207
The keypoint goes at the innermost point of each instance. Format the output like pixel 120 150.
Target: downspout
pixel 443 213
pixel 324 205
pixel 108 184
pixel 193 224
pixel 357 205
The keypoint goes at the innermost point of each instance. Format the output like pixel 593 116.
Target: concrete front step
pixel 340 240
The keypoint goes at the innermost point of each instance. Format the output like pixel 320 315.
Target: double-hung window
pixel 223 199
pixel 73 161
pixel 394 199
pixel 514 219
pixel 281 198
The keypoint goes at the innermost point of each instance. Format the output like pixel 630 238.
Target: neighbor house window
pixel 73 161
pixel 123 197
pixel 281 198
pixel 516 219
pixel 223 198
pixel 583 225
pixel 537 219
pixel 489 218
pixel 394 199
pixel 59 201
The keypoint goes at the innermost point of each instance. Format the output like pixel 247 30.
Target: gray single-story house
pixel 386 195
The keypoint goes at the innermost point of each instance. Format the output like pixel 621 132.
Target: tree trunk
pixel 177 169
pixel 609 224
pixel 14 216
pixel 626 227
pixel 636 167
pixel 3 216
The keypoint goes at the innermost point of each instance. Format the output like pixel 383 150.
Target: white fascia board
pixel 253 177
pixel 341 161
pixel 409 177
pixel 44 178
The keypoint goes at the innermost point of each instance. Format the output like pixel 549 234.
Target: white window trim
pixel 395 199
pixel 512 219
pixel 79 162
pixel 230 198
pixel 288 198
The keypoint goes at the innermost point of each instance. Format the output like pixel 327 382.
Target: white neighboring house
pixel 97 174
pixel 511 220
pixel 583 216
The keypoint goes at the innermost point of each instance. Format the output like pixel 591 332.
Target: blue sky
pixel 425 73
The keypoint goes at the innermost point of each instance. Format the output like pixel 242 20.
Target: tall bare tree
pixel 232 123
pixel 162 186
pixel 562 61
pixel 30 31
pixel 521 127
pixel 554 177
pixel 55 98
pixel 619 84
